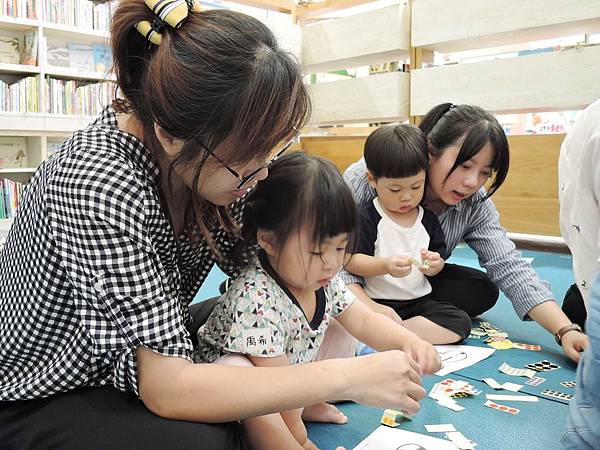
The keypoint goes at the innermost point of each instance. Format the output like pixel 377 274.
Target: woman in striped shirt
pixel 467 147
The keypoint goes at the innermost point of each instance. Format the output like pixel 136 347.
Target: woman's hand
pixel 398 266
pixel 385 380
pixel 573 343
pixel 424 354
pixel 434 260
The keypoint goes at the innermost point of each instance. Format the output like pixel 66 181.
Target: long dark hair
pixel 445 124
pixel 300 190
pixel 220 80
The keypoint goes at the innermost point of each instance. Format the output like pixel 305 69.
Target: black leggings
pixel 574 307
pixel 104 418
pixel 468 289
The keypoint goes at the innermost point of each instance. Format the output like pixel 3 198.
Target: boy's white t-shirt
pixel 380 236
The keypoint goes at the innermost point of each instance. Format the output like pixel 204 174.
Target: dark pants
pixel 574 307
pixel 468 289
pixel 104 418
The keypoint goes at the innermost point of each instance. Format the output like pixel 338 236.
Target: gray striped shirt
pixel 477 223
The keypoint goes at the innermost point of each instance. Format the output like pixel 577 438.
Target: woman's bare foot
pixel 323 412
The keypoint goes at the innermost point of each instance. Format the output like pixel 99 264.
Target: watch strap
pixel 564 330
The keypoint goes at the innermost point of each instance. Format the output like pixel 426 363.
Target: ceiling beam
pixel 285 6
pixel 317 8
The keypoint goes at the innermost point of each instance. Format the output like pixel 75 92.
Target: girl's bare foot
pixel 323 412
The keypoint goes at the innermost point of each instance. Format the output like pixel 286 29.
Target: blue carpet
pixel 537 426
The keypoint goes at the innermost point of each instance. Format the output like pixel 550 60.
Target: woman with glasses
pixel 116 233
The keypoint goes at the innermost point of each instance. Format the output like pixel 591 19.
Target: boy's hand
pixel 435 261
pixel 425 355
pixel 398 266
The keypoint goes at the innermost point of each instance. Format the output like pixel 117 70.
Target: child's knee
pixel 463 325
pixel 234 359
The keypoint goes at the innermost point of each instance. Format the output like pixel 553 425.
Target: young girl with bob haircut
pixel 116 232
pixel 467 148
pixel 303 218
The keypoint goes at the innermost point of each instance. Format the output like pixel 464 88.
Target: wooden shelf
pixel 66 123
pixel 376 98
pixel 79 74
pixel 18 24
pixel 445 26
pixel 37 123
pixel 351 42
pixel 80 35
pixel 564 80
pixel 18 68
pixel 22 121
pixel 18 170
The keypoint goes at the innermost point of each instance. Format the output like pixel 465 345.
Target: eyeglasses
pixel 247 180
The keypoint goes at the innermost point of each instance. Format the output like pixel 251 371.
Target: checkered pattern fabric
pixel 90 270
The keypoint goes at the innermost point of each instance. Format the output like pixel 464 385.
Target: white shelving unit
pixel 41 128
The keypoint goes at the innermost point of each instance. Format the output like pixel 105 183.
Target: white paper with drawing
pixel 385 438
pixel 456 357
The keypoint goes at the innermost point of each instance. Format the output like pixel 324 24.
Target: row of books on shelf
pixel 70 97
pixel 62 96
pixel 10 194
pixel 77 13
pixel 21 96
pixel 80 13
pixel 23 9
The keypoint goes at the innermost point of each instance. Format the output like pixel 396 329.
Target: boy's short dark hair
pixel 396 151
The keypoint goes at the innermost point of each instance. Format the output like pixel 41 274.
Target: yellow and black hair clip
pixel 169 12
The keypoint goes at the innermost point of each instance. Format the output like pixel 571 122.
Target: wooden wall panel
pixel 547 82
pixel 528 199
pixel 446 25
pixel 376 98
pixel 342 151
pixel 377 36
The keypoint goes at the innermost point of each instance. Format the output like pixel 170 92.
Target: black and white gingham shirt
pixel 477 223
pixel 90 272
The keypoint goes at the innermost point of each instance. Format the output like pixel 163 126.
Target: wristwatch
pixel 564 330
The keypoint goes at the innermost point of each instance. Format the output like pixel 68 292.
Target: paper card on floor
pixel 511 398
pixel 492 383
pixel 460 440
pixel 508 370
pixel 531 347
pixel 535 381
pixel 507 386
pixel 512 386
pixel 507 409
pixel 501 345
pixel 556 394
pixel 449 403
pixel 569 384
pixel 456 357
pixel 385 438
pixel 542 366
pixel 441 428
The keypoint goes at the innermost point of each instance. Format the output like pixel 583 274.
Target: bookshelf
pixel 41 129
